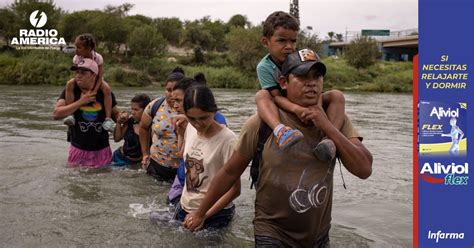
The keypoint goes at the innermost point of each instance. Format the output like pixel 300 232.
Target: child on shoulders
pixel 85 48
pixel 280 32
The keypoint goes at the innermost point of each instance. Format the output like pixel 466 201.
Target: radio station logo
pixel 38 38
pixel 38 22
pixel 449 174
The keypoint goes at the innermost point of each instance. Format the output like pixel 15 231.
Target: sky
pixel 322 15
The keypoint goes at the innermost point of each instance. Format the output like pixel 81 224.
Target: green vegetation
pixel 34 67
pixel 139 50
pixel 52 67
pixel 381 77
pixel 362 52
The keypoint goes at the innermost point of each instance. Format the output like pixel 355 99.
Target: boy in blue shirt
pixel 280 31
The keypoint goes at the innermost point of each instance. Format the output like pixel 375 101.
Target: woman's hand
pixel 123 117
pixel 179 123
pixel 193 222
pixel 145 161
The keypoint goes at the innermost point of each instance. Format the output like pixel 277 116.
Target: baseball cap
pixel 301 61
pixel 87 64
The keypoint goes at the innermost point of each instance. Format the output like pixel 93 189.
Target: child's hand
pixel 87 98
pixel 145 161
pixel 123 117
pixel 299 111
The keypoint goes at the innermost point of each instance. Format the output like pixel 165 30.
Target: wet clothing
pixel 281 174
pixel 99 158
pixel 203 158
pixel 265 241
pixel 87 133
pixel 130 152
pixel 118 159
pixel 164 148
pixel 161 173
pixel 131 142
pixel 219 220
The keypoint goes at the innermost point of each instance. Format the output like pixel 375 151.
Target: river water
pixel 43 203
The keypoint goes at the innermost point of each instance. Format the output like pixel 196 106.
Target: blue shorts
pixel 118 159
pixel 219 220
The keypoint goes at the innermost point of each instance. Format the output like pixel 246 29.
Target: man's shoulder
pixel 252 122
pixel 247 143
pixel 251 126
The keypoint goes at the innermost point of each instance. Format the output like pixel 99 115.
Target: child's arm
pixel 70 85
pixel 288 106
pixel 121 127
pixel 267 110
pixel 334 104
pixel 100 80
pixel 267 106
pixel 61 109
pixel 107 98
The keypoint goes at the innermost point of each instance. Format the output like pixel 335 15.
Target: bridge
pixel 399 46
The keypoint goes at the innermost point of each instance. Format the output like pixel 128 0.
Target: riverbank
pixel 29 67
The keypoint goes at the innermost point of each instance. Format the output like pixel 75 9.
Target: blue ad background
pixel 446 28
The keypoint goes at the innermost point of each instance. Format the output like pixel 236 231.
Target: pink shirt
pixel 95 56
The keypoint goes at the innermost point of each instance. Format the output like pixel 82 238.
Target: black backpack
pixel 264 131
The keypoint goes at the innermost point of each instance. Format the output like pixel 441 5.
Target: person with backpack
pixel 161 157
pixel 294 189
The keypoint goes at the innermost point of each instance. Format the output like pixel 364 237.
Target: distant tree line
pixel 142 37
pixel 139 35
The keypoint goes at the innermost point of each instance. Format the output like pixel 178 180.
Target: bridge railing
pixel 351 35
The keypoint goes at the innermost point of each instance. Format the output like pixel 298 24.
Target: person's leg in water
pixel 334 103
pixel 268 112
